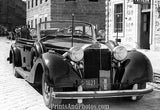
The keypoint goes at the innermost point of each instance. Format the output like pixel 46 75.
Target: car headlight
pixel 76 54
pixel 120 53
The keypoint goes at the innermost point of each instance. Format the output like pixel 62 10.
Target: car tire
pixel 138 86
pixel 47 92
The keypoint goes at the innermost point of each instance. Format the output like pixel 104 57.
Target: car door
pixel 25 44
pixel 25 47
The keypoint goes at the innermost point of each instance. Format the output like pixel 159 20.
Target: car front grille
pixel 95 60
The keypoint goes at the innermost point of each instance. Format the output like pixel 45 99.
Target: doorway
pixel 145 30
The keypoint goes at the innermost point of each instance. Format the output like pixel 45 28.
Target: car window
pixel 64 28
pixel 88 30
pixel 24 32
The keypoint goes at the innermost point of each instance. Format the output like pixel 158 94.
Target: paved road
pixel 17 94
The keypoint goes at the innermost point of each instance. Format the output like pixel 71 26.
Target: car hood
pixel 66 43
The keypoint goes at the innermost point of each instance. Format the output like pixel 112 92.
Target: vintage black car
pixel 68 61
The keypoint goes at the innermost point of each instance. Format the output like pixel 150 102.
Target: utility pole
pixel 107 19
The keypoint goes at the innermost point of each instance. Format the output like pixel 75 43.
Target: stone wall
pixel 38 12
pixel 156 24
pixel 84 10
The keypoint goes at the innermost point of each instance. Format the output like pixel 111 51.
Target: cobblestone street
pixel 17 94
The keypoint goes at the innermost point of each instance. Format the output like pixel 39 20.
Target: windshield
pixel 64 29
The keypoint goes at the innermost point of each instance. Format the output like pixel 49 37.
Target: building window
pixel 40 1
pixel 93 0
pixel 28 4
pixel 45 23
pixel 31 23
pixel 35 23
pixel 32 3
pixel 36 2
pixel 118 18
pixel 40 20
pixel 45 19
pixel 28 24
pixel 145 6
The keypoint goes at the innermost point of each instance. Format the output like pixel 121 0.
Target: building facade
pixel 135 22
pixel 92 11
pixel 12 13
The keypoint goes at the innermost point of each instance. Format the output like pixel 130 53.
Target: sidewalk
pixel 15 93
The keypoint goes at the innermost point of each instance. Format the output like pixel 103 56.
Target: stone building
pixel 135 22
pixel 12 13
pixel 92 11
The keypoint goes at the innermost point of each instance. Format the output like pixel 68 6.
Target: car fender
pixel 138 70
pixel 58 70
pixel 39 48
pixel 15 52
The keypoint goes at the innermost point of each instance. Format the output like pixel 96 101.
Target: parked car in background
pixel 68 61
pixel 3 31
pixel 11 35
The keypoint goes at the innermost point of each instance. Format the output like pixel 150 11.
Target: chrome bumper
pixel 100 94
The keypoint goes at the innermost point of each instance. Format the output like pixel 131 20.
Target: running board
pixel 23 73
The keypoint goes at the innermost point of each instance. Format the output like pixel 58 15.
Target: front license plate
pixel 90 83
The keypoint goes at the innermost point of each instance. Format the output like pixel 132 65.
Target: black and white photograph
pixel 79 54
